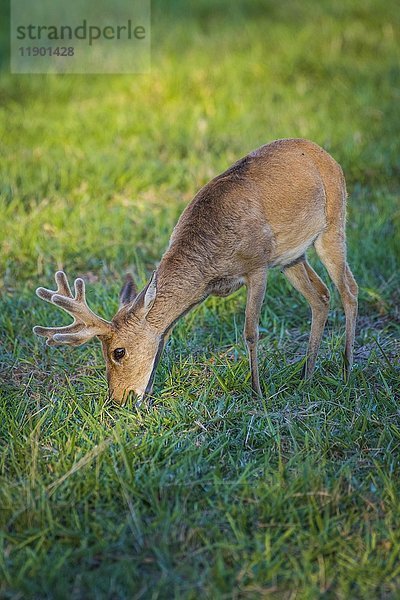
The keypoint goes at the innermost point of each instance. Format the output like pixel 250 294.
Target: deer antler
pixel 86 323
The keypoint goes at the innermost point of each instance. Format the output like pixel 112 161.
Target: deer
pixel 264 211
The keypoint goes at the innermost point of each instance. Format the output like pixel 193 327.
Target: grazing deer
pixel 265 211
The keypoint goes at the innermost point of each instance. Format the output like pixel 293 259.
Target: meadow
pixel 207 493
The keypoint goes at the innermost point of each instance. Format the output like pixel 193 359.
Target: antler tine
pixel 86 323
pixel 62 288
pixel 76 305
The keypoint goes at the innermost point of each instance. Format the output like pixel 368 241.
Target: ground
pixel 208 492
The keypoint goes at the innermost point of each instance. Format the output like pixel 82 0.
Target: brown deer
pixel 263 212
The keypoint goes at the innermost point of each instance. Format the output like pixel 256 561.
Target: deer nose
pixel 125 396
pixel 116 396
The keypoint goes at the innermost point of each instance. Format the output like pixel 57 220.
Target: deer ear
pixel 150 294
pixel 128 292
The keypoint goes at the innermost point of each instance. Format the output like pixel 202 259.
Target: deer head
pixel 131 345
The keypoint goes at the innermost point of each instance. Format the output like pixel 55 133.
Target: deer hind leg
pixel 256 283
pixel 331 249
pixel 305 280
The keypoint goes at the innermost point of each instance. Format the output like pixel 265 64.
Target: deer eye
pixel 119 353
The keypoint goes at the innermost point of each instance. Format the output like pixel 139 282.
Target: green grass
pixel 208 493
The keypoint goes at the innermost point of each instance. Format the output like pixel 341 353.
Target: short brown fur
pixel 264 211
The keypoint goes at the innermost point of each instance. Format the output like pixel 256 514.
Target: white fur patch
pixel 290 255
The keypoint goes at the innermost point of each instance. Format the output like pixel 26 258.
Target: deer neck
pixel 179 289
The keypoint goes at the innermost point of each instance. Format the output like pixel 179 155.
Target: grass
pixel 208 493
